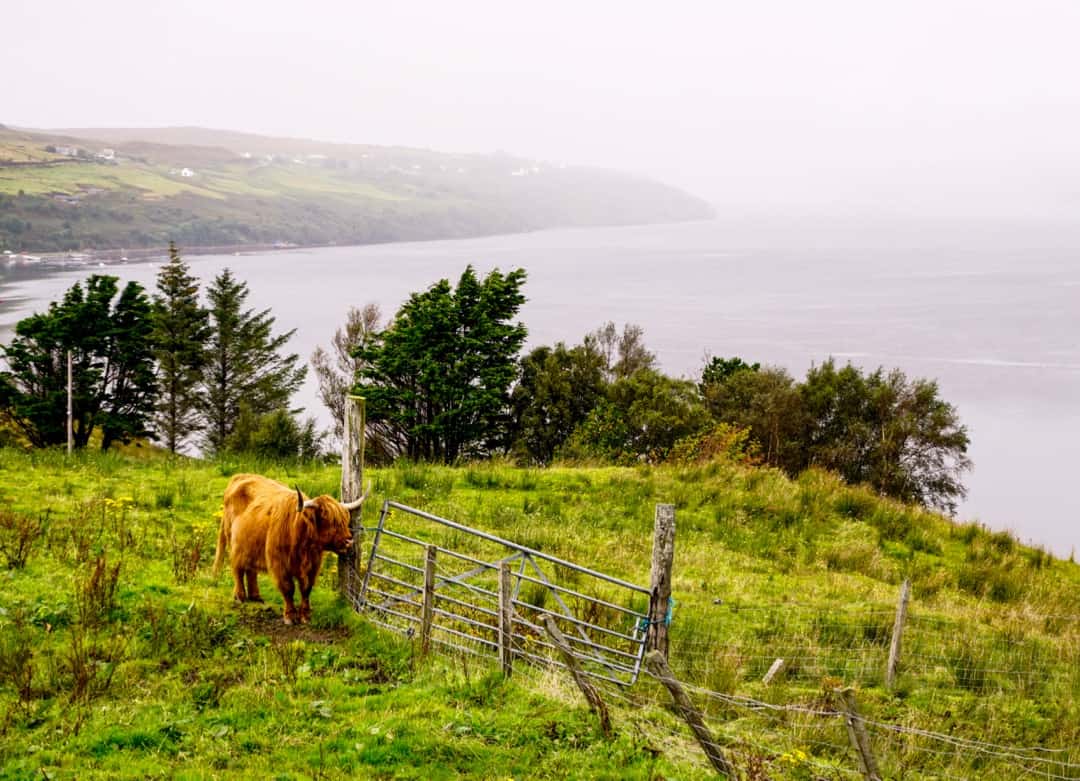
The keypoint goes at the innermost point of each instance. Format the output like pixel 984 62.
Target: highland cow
pixel 268 527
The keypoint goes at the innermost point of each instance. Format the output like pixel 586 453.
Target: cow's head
pixel 332 519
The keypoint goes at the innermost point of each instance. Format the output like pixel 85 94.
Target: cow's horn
pixel 350 506
pixel 299 500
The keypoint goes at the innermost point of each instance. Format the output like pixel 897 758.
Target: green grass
pixel 164 676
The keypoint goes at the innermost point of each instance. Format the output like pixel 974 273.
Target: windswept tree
pixel 887 431
pixel 180 330
pixel 336 368
pixel 112 366
pixel 439 376
pixel 622 353
pixel 245 362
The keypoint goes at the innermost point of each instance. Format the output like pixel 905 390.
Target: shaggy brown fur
pixel 265 532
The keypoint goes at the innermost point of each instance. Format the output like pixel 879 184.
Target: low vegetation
pixel 121 656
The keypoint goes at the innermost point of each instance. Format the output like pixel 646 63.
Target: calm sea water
pixel 993 316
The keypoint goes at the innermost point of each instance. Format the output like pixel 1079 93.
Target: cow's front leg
pixel 286 587
pixel 305 604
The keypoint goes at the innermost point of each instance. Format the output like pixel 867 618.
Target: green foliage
pixel 245 364
pixel 180 330
pixel 722 441
pixel 275 436
pixel 719 370
pixel 438 378
pixel 176 680
pixel 557 389
pixel 113 377
pixel 641 419
pixel 765 402
pixel 884 430
pixel 891 433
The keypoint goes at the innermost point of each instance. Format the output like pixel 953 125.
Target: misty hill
pixel 127 188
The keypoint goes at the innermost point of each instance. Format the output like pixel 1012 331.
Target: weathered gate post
pixel 506 619
pixel 427 609
pixel 352 487
pixel 662 557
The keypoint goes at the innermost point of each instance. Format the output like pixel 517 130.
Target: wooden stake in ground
pixel 592 696
pixel 428 610
pixel 860 741
pixel 662 557
pixel 658 666
pixel 352 486
pixel 506 619
pixel 775 670
pixel 70 422
pixel 897 633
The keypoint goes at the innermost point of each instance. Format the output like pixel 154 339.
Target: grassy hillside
pixel 207 187
pixel 162 675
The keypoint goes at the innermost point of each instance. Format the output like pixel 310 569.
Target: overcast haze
pixel 915 108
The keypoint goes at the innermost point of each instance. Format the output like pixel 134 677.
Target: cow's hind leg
pixel 239 594
pixel 287 588
pixel 253 594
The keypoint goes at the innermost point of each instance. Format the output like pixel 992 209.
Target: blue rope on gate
pixel 645 623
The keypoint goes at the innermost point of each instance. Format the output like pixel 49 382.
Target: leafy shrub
pixel 95 594
pixel 87 667
pixel 18 535
pixel 995 580
pixel 721 442
pixel 186 556
pixel 17 645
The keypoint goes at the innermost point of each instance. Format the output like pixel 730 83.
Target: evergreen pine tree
pixel 244 362
pixel 112 366
pixel 181 328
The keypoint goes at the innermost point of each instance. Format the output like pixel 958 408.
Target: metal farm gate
pixel 602 617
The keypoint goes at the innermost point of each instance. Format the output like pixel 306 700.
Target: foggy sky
pixel 915 108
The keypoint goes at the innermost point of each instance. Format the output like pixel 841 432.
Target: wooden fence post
pixel 352 488
pixel 506 619
pixel 428 610
pixel 860 741
pixel 658 666
pixel 663 555
pixel 70 421
pixel 592 696
pixel 897 633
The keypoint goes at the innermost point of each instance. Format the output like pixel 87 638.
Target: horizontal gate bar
pixel 585 656
pixel 578 594
pixel 469 605
pixel 578 621
pixel 470 638
pixel 589 643
pixel 521 548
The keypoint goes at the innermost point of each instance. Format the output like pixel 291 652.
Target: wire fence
pixel 791 726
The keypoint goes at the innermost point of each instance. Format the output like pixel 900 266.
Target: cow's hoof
pixel 305 619
pixel 288 621
pixel 256 598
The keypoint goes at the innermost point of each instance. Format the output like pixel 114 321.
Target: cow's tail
pixel 222 540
